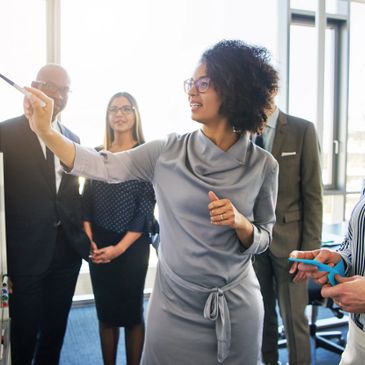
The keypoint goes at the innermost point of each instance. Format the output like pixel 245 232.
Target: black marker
pixel 22 90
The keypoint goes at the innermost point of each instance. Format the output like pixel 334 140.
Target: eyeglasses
pixel 53 88
pixel 125 109
pixel 202 84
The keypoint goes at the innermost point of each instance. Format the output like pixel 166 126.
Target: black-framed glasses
pixel 125 109
pixel 52 87
pixel 202 84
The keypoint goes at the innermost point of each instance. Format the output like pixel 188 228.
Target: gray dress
pixel 206 306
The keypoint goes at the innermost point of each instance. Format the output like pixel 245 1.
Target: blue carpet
pixel 82 344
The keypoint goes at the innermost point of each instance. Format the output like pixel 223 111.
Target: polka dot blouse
pixel 126 206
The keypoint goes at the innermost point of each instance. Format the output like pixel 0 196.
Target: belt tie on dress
pixel 216 309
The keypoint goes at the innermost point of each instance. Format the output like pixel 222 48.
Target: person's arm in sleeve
pixel 134 164
pixel 311 191
pixel 345 250
pixel 141 223
pixel 137 163
pixel 86 200
pixel 264 211
pixel 144 216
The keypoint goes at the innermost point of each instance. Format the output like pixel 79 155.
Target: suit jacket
pixel 299 205
pixel 34 211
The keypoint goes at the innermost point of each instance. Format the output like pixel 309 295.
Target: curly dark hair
pixel 245 81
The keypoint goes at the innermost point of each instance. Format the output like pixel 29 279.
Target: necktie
pixel 259 141
pixel 51 169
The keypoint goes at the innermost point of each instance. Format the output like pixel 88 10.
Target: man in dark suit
pixel 45 240
pixel 294 144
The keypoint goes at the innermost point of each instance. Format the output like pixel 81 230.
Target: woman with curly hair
pixel 216 193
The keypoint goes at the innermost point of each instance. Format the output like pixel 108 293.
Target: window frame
pixel 338 25
pixel 340 97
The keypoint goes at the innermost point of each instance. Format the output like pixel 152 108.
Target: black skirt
pixel 118 286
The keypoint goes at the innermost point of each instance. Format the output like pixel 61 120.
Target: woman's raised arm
pixel 40 122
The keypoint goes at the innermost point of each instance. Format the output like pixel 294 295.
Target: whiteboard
pixel 4 300
pixel 3 263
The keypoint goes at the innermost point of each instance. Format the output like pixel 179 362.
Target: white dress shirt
pixel 57 163
pixel 269 132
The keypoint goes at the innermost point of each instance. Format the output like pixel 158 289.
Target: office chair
pixel 323 339
pixel 328 340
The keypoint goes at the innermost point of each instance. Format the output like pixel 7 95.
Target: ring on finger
pixel 222 217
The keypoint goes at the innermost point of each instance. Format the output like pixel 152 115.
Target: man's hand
pixel 349 294
pixel 322 255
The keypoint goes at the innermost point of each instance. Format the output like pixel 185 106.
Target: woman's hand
pixel 104 255
pixel 40 117
pixel 93 246
pixel 223 213
pixel 322 255
pixel 109 253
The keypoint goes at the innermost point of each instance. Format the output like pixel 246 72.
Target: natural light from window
pixel 23 49
pixel 148 49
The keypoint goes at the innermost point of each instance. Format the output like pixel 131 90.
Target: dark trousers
pixel 39 308
pixel 276 284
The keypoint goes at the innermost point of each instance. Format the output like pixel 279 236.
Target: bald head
pixel 54 81
pixel 51 72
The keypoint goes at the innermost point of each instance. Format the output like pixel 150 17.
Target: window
pixel 304 60
pixel 302 89
pixel 355 172
pixel 149 49
pixel 23 45
pixel 336 7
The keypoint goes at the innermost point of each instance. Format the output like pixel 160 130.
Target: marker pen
pixel 22 90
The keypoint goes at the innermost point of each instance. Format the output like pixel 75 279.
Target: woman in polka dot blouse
pixel 118 219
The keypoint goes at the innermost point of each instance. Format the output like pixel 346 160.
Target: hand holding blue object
pixel 339 269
